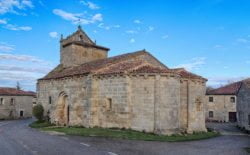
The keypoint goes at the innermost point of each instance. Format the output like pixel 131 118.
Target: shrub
pixel 38 112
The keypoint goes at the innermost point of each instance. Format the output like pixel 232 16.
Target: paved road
pixel 16 138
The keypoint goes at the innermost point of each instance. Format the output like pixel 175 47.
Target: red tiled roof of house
pixel 230 89
pixel 15 92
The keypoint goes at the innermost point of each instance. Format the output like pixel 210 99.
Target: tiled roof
pixel 185 74
pixel 231 89
pixel 15 92
pixel 126 63
pixel 117 64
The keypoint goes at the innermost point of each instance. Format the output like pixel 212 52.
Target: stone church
pixel 132 91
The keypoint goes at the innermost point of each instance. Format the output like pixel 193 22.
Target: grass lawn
pixel 125 134
pixel 40 124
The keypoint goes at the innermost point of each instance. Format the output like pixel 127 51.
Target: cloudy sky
pixel 207 37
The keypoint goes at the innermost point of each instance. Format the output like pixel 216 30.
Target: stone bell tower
pixel 78 49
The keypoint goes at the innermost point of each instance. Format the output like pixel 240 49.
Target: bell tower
pixel 78 49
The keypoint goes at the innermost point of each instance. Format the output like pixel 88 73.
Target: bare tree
pixel 18 87
pixel 209 88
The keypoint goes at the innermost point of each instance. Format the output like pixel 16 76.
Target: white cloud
pixel 53 34
pixel 151 28
pixel 91 5
pixel 242 40
pixel 107 27
pixel 18 28
pixel 165 37
pixel 218 46
pixel 6 47
pixel 16 57
pixel 11 6
pixel 117 26
pixel 132 40
pixel 137 21
pixel 101 25
pixel 220 81
pixel 194 64
pixel 97 17
pixel 131 32
pixel 23 68
pixel 77 18
pixel 3 21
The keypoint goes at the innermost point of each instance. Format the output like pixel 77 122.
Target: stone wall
pixel 243 106
pixel 12 105
pixel 144 102
pixel 196 106
pixel 221 106
pixel 77 54
pixel 76 92
pixel 110 102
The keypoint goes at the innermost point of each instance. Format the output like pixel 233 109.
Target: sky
pixel 207 37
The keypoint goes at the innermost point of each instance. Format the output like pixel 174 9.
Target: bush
pixel 38 112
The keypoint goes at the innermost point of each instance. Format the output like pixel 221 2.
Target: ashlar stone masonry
pixel 132 91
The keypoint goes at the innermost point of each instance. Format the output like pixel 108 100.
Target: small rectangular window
pixel 109 106
pixel 1 101
pixel 12 101
pixel 21 113
pixel 232 99
pixel 248 119
pixel 211 99
pixel 50 100
pixel 211 114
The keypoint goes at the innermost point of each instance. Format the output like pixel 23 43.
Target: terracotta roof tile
pixel 231 89
pixel 185 74
pixel 126 63
pixel 14 92
pixel 116 64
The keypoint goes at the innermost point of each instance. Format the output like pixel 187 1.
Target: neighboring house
pixel 15 104
pixel 230 103
pixel 243 105
pixel 221 103
pixel 133 91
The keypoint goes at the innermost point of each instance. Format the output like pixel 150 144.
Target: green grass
pixel 247 149
pixel 40 124
pixel 130 134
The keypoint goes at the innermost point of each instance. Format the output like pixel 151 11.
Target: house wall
pixel 221 106
pixel 12 111
pixel 243 106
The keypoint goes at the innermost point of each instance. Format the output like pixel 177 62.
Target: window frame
pixel 248 120
pixel 209 99
pixel 12 101
pixel 109 104
pixel 1 101
pixel 211 114
pixel 50 100
pixel 232 99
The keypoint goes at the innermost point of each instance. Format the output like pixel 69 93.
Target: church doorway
pixel 62 115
